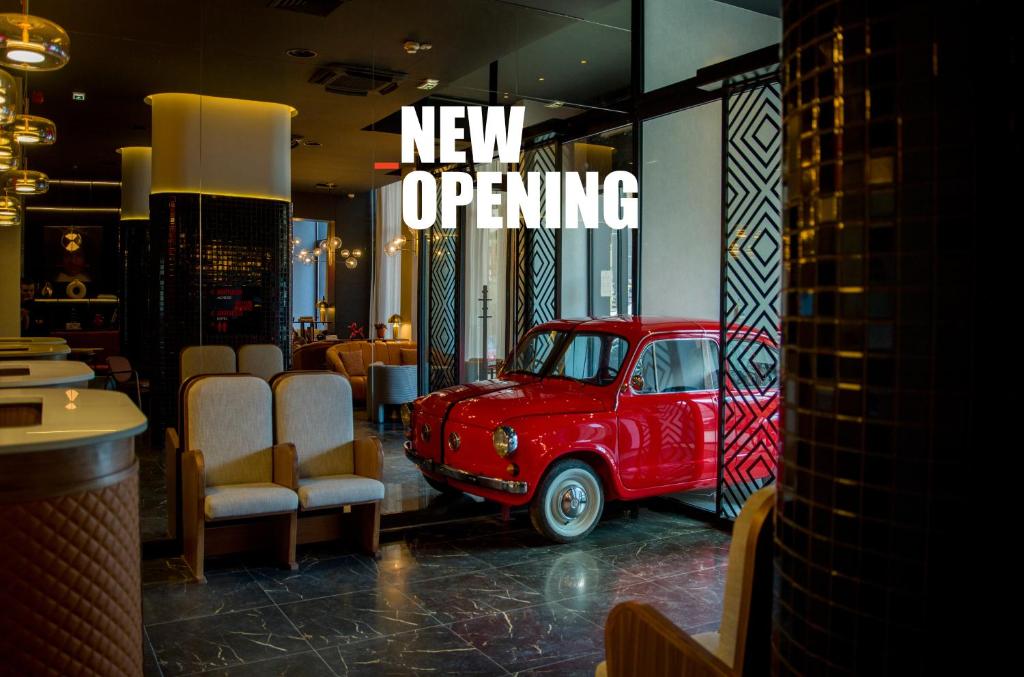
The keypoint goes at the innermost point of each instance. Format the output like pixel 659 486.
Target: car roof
pixel 633 326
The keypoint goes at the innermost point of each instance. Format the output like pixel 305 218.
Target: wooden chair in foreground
pixel 233 496
pixel 639 640
pixel 336 476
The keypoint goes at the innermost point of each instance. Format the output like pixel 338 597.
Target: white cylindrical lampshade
pixel 136 177
pixel 217 146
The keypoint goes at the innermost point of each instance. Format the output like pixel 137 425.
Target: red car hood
pixel 491 407
pixel 437 403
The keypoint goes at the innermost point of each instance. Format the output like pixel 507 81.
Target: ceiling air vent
pixel 315 7
pixel 352 80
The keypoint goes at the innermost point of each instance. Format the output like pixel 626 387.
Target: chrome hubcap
pixel 573 502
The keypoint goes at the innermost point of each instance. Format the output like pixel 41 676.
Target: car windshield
pixel 590 358
pixel 533 352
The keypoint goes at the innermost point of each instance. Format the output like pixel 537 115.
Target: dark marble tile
pixel 308 664
pixel 341 619
pixel 223 641
pixel 434 650
pixel 595 606
pixel 572 573
pixel 468 596
pixel 150 667
pixel 509 547
pixel 528 638
pixel 165 570
pixel 583 666
pixel 705 584
pixel 317 577
pixel 419 560
pixel 221 594
pixel 687 552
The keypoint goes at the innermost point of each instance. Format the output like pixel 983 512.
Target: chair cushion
pixel 334 490
pixel 708 640
pixel 243 500
pixel 408 356
pixel 353 362
pixel 230 419
pixel 314 412
pixel 260 359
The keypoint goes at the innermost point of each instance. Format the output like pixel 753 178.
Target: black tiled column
pixel 889 125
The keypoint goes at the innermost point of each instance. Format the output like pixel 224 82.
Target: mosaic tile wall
pixel 881 231
pixel 232 246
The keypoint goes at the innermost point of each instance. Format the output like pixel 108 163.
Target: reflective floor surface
pixel 477 598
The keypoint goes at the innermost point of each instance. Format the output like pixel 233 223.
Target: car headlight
pixel 505 440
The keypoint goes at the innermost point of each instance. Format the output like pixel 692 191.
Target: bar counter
pixel 69 529
pixel 44 373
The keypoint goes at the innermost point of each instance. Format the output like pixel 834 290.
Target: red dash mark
pixel 386 165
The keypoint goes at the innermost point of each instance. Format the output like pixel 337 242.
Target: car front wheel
pixel 569 502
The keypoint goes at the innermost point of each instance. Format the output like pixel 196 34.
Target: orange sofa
pixel 385 352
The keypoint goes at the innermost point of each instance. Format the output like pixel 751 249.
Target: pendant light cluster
pixel 27 43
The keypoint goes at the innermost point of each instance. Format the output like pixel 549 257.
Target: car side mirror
pixel 637 383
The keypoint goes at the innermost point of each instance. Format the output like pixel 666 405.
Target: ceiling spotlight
pixel 554 104
pixel 583 61
pixel 301 53
pixel 78 96
pixel 32 43
pixel 310 143
pixel 428 84
pixel 540 78
pixel 329 185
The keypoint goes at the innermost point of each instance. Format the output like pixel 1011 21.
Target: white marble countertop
pixel 15 351
pixel 44 373
pixel 70 417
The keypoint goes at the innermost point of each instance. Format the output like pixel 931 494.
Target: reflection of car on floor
pixel 589 410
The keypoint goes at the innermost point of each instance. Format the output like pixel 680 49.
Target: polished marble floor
pixel 481 597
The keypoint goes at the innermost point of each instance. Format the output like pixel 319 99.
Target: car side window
pixel 675 366
pixel 753 365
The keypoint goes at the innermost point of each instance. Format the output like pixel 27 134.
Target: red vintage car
pixel 586 411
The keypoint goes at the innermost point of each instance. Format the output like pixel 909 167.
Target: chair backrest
pixel 260 359
pixel 120 368
pixel 313 411
pixel 311 356
pixel 230 419
pixel 745 631
pixel 195 360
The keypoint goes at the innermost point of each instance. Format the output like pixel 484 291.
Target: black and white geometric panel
pixel 535 283
pixel 752 284
pixel 443 324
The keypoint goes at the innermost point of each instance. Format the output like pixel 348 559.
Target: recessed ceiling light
pixel 583 61
pixel 429 83
pixel 330 185
pixel 554 104
pixel 310 143
pixel 540 79
pixel 301 53
pixel 78 96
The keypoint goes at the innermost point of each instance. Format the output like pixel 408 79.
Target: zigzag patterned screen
pixel 443 323
pixel 752 279
pixel 535 285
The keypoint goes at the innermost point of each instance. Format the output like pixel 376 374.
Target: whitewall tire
pixel 569 502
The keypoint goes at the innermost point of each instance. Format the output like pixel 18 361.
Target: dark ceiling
pixel 122 50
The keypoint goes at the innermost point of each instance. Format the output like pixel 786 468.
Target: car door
pixel 751 409
pixel 667 414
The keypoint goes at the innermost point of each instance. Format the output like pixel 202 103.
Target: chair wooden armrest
pixel 172 484
pixel 639 640
pixel 369 457
pixel 193 512
pixel 286 465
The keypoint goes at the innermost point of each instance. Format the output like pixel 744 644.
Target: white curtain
pixel 387 284
pixel 485 257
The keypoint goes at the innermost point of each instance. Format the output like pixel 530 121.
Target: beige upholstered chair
pixel 641 641
pixel 231 471
pixel 334 473
pixel 195 360
pixel 260 359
